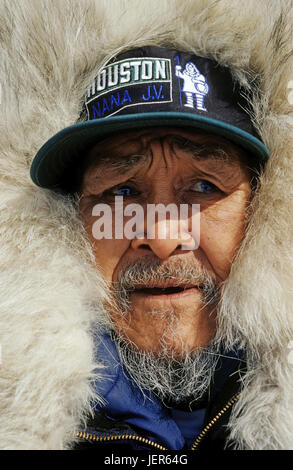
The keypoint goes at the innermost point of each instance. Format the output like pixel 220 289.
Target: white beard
pixel 169 378
pixel 168 374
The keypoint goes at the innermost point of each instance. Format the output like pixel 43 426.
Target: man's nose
pixel 163 237
pixel 163 244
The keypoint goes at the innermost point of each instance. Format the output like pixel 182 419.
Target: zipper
pixel 114 437
pixel 213 421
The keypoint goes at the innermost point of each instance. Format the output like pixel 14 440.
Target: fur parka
pixel 51 293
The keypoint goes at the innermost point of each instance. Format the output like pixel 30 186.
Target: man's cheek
pixel 219 240
pixel 108 254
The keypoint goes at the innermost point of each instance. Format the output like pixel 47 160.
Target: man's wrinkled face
pixel 166 293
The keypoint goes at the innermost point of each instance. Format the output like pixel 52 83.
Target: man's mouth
pixel 170 290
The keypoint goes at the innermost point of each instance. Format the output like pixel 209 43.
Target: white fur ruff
pixel 50 291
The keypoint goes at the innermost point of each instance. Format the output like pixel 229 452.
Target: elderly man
pixel 163 284
pixel 150 261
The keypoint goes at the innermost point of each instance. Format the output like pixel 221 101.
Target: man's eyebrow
pixel 118 163
pixel 199 151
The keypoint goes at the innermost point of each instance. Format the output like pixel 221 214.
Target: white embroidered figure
pixel 194 85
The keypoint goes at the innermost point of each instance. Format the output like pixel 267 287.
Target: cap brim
pixel 62 150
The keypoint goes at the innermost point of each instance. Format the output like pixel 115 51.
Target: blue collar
pixel 124 401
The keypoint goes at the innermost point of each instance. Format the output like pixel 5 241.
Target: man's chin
pixel 170 374
pixel 167 331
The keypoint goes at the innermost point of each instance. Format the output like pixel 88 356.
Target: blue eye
pixel 124 191
pixel 203 186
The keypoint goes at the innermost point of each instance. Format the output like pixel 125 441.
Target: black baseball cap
pixel 151 87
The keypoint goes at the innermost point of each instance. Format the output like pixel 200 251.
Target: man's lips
pixel 166 291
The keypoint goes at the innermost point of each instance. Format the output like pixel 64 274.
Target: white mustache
pixel 151 272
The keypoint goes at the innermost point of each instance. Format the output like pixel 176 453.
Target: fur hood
pixel 50 291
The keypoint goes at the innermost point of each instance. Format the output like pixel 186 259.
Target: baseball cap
pixel 150 87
